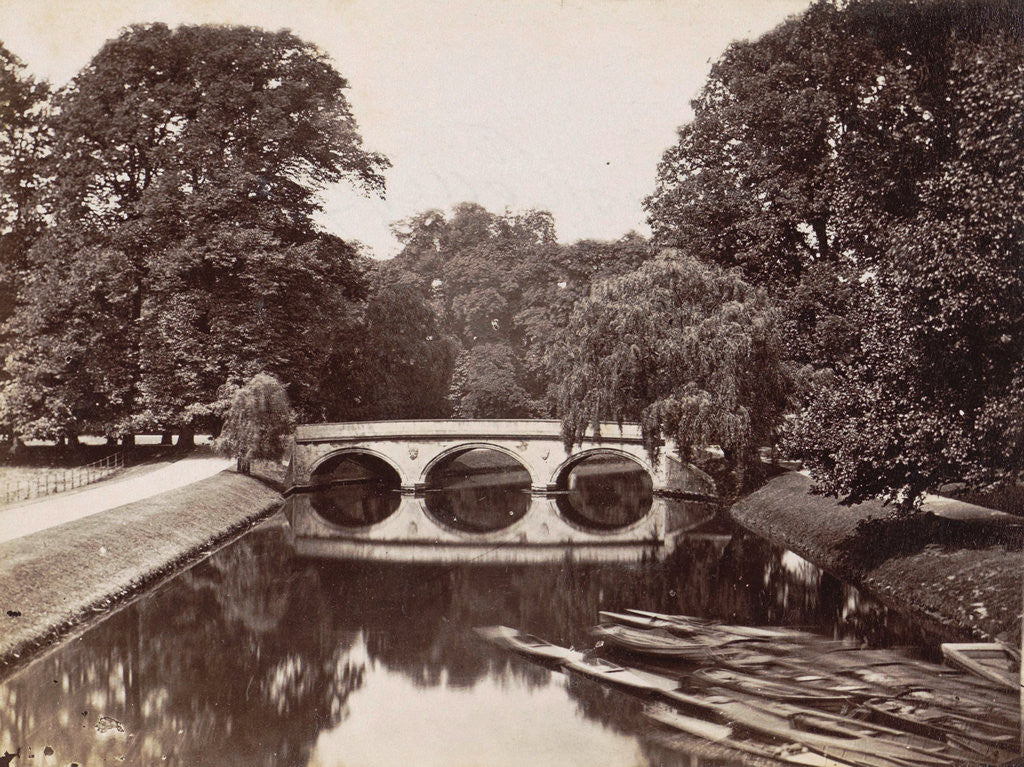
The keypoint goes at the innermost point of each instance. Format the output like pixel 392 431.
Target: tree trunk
pixel 243 465
pixel 187 437
pixel 111 441
pixel 166 438
pixel 128 441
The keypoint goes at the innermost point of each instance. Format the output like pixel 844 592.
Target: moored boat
pixel 826 694
pixel 622 676
pixel 662 644
pixel 527 644
pixel 725 735
pixel 989 660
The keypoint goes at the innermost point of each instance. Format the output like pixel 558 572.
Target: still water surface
pixel 256 656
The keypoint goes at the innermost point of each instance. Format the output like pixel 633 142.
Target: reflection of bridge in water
pixel 486 490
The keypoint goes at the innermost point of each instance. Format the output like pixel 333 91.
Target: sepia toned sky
pixel 565 105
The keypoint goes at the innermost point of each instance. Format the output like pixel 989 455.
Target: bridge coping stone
pixel 462 428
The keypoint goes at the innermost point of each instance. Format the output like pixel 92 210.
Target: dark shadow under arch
pixel 477 489
pixel 355 488
pixel 604 489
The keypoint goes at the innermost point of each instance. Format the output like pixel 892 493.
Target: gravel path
pixel 30 517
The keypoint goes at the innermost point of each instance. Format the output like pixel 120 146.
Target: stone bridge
pixel 414 448
pixel 485 510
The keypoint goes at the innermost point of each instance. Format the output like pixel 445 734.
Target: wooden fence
pixel 59 480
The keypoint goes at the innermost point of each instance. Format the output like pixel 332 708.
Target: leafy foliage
pixel 259 422
pixel 484 384
pixel 502 288
pixel 394 360
pixel 687 349
pixel 187 165
pixel 933 393
pixel 872 193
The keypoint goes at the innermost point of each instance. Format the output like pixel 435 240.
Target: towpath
pixel 136 484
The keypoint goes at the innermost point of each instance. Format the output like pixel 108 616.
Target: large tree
pixel 393 360
pixel 932 393
pixel 23 144
pixel 687 349
pixel 855 163
pixel 475 262
pixel 189 163
pixel 813 142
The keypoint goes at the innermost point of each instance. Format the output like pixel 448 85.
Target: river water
pixel 257 656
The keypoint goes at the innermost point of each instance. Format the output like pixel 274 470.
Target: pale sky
pixel 565 105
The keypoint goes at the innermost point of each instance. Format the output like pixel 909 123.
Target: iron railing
pixel 59 480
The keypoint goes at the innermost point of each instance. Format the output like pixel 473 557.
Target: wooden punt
pixel 988 660
pixel 639 621
pixel 725 735
pixel 800 693
pixel 662 644
pixel 633 679
pixel 689 622
pixel 996 741
pixel 841 738
pixel 526 644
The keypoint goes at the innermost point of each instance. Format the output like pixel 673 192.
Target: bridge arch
pixel 465 447
pixel 611 501
pixel 563 469
pixel 333 456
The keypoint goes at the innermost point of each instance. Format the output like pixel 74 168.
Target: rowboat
pixel 997 742
pixel 841 738
pixel 689 622
pixel 639 621
pixel 830 696
pixel 527 644
pixel 659 643
pixel 988 660
pixel 632 679
pixel 725 735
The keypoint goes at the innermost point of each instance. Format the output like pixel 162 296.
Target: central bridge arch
pixel 458 450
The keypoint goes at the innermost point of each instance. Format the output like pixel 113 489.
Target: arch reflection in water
pixel 605 491
pixel 355 490
pixel 478 490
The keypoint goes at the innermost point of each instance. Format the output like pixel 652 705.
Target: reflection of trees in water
pixel 419 618
pixel 615 709
pixel 607 492
pixel 246 657
pixel 478 490
pixel 210 670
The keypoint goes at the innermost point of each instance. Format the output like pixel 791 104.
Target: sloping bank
pixel 959 574
pixel 53 581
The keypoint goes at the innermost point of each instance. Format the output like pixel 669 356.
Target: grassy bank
pixel 54 581
pixel 961 578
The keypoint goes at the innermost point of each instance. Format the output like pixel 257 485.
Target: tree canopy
pixel 503 287
pixel 932 393
pixel 856 163
pixel 187 165
pixel 393 360
pixel 259 422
